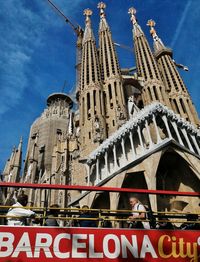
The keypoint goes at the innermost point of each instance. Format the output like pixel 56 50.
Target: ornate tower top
pixel 137 29
pixel 158 44
pixel 103 23
pixel 87 12
pixel 102 6
pixel 88 34
pixel 151 23
pixel 132 11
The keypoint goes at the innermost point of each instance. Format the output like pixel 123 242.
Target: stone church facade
pixel 132 129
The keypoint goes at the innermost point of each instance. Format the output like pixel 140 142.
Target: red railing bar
pixel 97 188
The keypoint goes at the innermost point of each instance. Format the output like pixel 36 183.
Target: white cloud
pixel 18 40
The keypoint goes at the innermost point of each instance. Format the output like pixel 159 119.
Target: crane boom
pixel 79 33
pixel 77 29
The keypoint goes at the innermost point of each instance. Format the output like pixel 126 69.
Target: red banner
pixel 22 244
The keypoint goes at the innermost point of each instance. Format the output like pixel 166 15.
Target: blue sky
pixel 37 52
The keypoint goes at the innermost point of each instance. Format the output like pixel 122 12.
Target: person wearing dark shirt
pixel 164 223
pixel 192 224
pixel 51 221
pixel 84 215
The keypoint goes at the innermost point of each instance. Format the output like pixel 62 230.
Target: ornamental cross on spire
pixel 101 6
pixel 151 23
pixel 132 12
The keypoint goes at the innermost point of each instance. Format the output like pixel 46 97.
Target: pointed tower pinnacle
pixel 179 97
pixel 103 23
pixel 92 116
pixel 147 68
pixel 137 31
pixel 13 165
pixel 158 44
pixel 17 162
pixel 116 113
pixel 88 35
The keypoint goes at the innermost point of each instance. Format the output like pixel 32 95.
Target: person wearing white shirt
pixel 17 215
pixel 137 206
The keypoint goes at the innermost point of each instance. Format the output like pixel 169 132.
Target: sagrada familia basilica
pixel 133 129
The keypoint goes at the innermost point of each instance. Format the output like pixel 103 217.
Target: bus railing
pixel 71 214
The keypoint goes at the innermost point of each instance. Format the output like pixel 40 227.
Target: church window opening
pixel 83 110
pixel 115 87
pixel 88 105
pixel 94 95
pixel 182 105
pixel 100 102
pixel 176 106
pixel 110 91
pixel 155 92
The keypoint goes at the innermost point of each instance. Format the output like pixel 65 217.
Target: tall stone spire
pixel 92 116
pixel 17 162
pixel 147 68
pixel 12 168
pixel 179 97
pixel 114 100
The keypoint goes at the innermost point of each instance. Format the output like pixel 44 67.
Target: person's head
pixel 54 209
pixel 133 201
pixel 22 199
pixel 85 209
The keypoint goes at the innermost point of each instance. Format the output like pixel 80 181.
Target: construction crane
pixel 185 68
pixel 79 33
pixel 124 46
pixel 126 70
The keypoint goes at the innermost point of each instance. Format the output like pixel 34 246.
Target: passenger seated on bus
pixel 87 214
pixel 17 214
pixel 164 223
pixel 106 223
pixel 136 205
pixel 51 221
pixel 189 225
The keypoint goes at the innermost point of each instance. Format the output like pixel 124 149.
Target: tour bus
pixel 110 239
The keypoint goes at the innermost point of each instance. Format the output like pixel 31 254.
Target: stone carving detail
pixel 120 116
pixel 98 130
pixel 132 108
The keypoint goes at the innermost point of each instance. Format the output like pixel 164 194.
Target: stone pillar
pixel 88 168
pixel 149 134
pixel 115 156
pixel 177 133
pixel 157 131
pixel 187 140
pixel 123 149
pixel 132 145
pixel 97 172
pixel 140 138
pixel 106 162
pixel 195 143
pixel 164 118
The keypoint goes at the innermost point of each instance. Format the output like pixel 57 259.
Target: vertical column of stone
pixel 147 66
pixel 92 119
pixel 179 97
pixel 116 113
